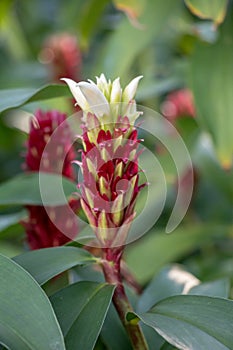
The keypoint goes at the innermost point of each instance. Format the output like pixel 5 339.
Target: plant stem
pixel 111 269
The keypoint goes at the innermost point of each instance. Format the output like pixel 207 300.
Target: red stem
pixel 111 269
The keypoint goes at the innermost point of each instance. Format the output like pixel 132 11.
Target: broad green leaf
pixel 16 42
pixel 219 288
pixel 121 49
pixel 14 233
pixel 158 248
pixel 175 280
pixel 215 104
pixel 7 220
pixel 27 320
pixel 87 273
pixel 113 333
pixel 44 264
pixel 167 346
pixel 81 309
pixel 9 249
pixel 171 280
pixel 205 161
pixel 26 189
pixel 14 98
pixel 5 6
pixel 90 17
pixel 153 339
pixel 193 322
pixel 208 9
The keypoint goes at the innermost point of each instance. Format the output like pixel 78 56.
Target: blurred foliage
pixel 174 45
pixel 209 9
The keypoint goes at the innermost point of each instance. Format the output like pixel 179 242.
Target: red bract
pixel 42 225
pixel 110 180
pixel 43 233
pixel 57 158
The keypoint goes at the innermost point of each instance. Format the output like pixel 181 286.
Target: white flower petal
pixel 103 85
pixel 103 78
pixel 76 92
pixel 96 100
pixel 116 91
pixel 130 89
pixel 101 82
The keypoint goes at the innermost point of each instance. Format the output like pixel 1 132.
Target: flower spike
pixel 110 156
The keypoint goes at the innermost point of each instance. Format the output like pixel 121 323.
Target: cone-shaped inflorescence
pixel 50 226
pixel 110 157
pixel 62 53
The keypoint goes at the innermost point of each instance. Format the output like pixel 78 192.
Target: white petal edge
pixel 116 91
pixel 131 88
pixel 76 92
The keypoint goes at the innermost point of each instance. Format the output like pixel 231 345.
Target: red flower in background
pixel 177 104
pixel 41 231
pixel 61 52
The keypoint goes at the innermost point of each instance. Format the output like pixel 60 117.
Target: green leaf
pixel 158 248
pixel 44 264
pixel 167 346
pixel 207 164
pixel 208 9
pixel 90 17
pixel 87 273
pixel 15 98
pixel 27 320
pixel 121 49
pixel 174 280
pixel 193 322
pixel 153 339
pixel 171 280
pixel 5 6
pixel 81 309
pixel 219 288
pixel 8 249
pixel 214 104
pixel 27 188
pixel 113 334
pixel 8 220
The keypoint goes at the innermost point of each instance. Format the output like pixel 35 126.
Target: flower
pixel 177 104
pixel 41 230
pixel 62 54
pixel 110 156
pixel 61 51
